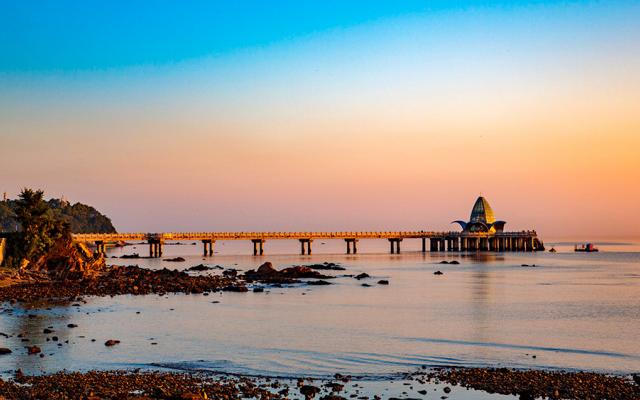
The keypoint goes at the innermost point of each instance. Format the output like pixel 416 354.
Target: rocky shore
pixel 130 385
pixel 441 383
pixel 535 384
pixel 116 280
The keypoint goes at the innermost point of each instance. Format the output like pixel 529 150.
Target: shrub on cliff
pixel 40 229
pixel 81 217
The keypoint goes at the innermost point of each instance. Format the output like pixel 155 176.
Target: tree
pixel 40 228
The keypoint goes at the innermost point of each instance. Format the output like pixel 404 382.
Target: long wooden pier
pixel 438 241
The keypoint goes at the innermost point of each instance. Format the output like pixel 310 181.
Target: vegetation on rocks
pixel 44 242
pixel 80 217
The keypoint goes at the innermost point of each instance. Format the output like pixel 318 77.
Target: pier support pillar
pixel 351 242
pixel 395 245
pixel 258 246
pixel 155 248
pixel 305 243
pixel 424 245
pixel 433 244
pixel 207 247
pixel 101 247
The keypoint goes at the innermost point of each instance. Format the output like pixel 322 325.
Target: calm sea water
pixel 572 311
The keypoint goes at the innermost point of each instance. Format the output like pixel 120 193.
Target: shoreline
pixel 136 384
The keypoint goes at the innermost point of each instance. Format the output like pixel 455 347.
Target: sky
pixel 327 115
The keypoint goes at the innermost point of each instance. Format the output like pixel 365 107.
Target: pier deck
pixel 439 241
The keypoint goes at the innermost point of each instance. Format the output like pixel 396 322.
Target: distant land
pixel 83 218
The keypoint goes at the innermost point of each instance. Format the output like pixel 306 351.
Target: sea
pixel 553 311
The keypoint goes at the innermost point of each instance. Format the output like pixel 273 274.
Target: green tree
pixel 40 228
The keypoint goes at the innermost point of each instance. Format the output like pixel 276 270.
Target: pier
pixel 438 241
pixel 481 233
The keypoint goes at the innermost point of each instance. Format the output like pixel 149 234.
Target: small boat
pixel 586 248
pixel 552 250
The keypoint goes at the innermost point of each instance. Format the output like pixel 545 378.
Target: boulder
pixel 266 269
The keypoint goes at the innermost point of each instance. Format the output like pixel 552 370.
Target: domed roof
pixel 482 212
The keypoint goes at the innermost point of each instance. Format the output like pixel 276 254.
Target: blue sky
pixel 193 110
pixel 46 36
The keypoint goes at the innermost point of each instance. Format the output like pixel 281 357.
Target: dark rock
pixel 438 273
pixel 72 326
pixel 383 282
pixel 319 283
pixel 365 285
pixel 258 289
pixel 134 255
pixel 238 289
pixel 327 267
pixel 4 350
pixel 33 350
pixel 444 262
pixel 47 331
pixel 362 276
pixel 309 391
pixel 447 389
pixel 175 259
pixel 111 342
pixel 335 387
pixel 202 267
pixel 455 262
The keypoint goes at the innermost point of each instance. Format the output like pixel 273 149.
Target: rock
pixel 33 350
pixel 238 289
pixel 319 283
pixel 444 262
pixel 362 276
pixel 447 389
pixel 258 289
pixel 266 269
pixel 4 350
pixel 526 395
pixel 438 273
pixel 72 326
pixel 326 266
pixel 47 331
pixel 383 282
pixel 365 285
pixel 335 387
pixel 127 256
pixel 309 391
pixel 268 274
pixel 202 267
pixel 111 342
pixel 455 262
pixel 175 259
